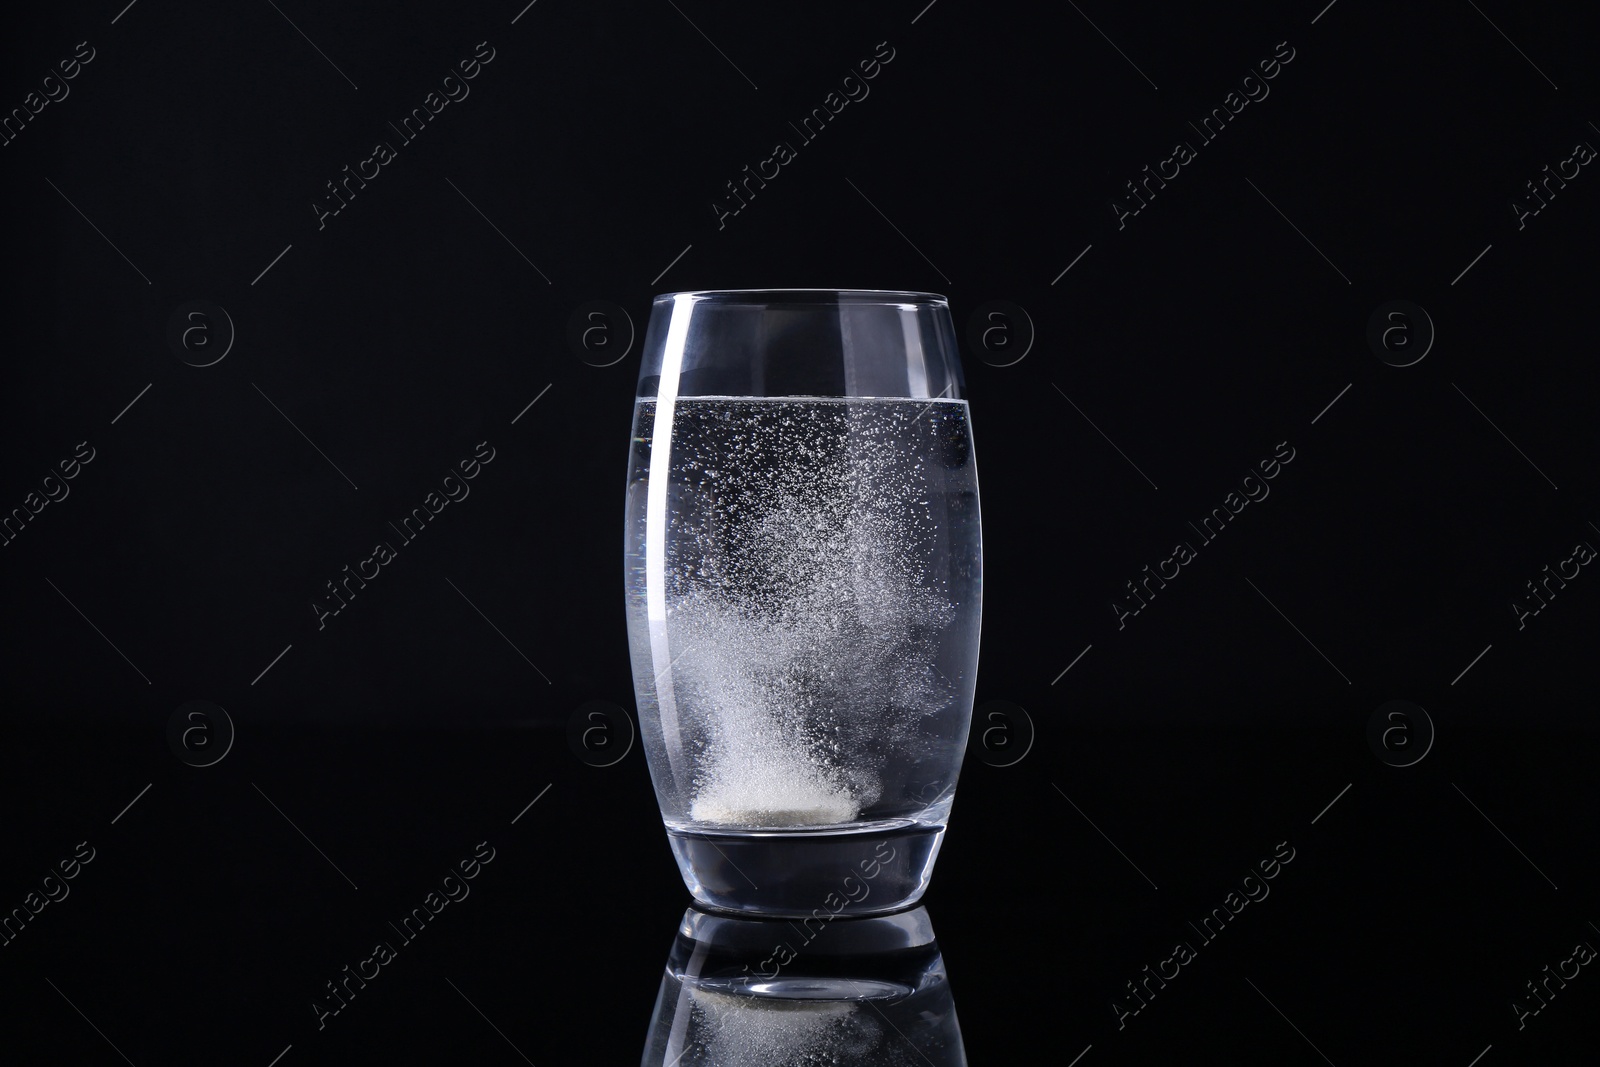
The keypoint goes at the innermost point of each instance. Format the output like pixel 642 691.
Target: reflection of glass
pixel 804 584
pixel 845 992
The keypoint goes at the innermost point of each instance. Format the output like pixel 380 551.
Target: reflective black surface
pixel 1230 518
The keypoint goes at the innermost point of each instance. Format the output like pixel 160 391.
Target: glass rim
pixel 807 296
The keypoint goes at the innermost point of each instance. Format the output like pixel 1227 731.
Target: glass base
pixel 868 869
pixel 743 992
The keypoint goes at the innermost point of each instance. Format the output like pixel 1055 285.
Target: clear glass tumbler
pixel 804 588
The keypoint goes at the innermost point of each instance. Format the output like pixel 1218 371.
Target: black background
pixel 381 348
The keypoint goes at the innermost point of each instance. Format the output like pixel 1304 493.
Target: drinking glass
pixel 804 583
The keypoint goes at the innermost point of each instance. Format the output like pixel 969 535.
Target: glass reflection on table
pixel 772 993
